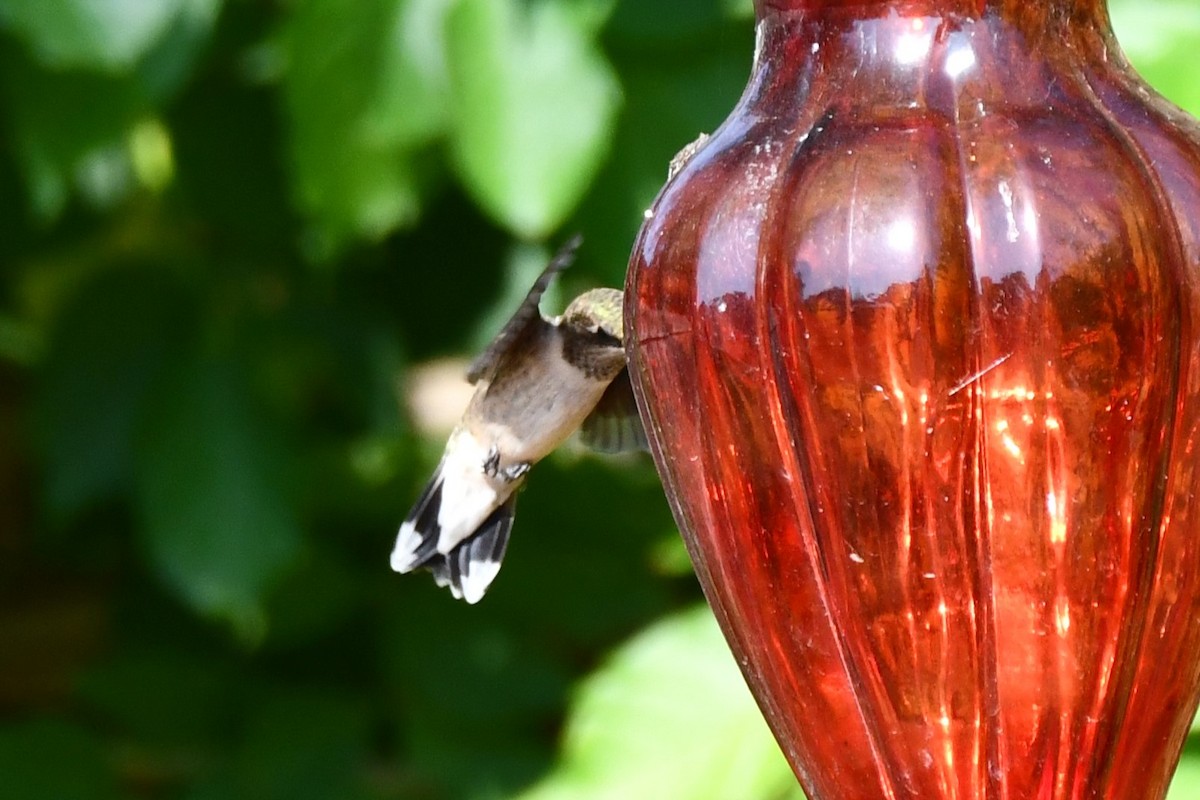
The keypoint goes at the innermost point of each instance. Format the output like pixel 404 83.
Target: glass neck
pixel 1046 21
pixel 1026 12
pixel 950 57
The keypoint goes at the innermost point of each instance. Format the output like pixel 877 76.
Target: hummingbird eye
pixel 607 339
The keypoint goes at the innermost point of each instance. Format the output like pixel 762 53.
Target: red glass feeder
pixel 917 338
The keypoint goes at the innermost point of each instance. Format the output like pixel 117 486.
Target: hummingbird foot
pixel 514 472
pixel 491 463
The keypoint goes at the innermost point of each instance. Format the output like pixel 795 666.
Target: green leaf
pixel 475 689
pixel 585 525
pixel 668 716
pixel 229 165
pixel 218 525
pixel 738 9
pixel 163 696
pixel 1161 39
pixel 51 760
pixel 535 102
pixel 72 129
pixel 450 681
pixel 110 344
pixel 666 23
pixel 408 105
pixel 297 744
pixel 525 263
pixel 303 745
pixel 60 144
pixel 365 92
pixel 313 599
pixel 1186 783
pixel 20 341
pixel 166 67
pixel 93 34
pixel 670 100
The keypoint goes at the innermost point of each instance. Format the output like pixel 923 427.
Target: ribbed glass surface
pixel 918 336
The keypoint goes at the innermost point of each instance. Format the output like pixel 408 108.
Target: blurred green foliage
pixel 233 235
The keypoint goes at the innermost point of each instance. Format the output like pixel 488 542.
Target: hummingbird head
pixel 597 311
pixel 593 332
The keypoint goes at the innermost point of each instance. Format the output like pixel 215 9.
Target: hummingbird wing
pixel 614 425
pixel 528 318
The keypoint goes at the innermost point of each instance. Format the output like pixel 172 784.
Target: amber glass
pixel 915 335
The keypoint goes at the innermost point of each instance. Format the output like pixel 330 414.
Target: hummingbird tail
pixel 468 569
pixel 417 541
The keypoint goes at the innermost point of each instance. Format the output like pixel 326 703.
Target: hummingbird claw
pixel 516 471
pixel 491 467
pixel 491 463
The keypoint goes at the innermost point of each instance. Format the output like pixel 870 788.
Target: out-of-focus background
pixel 245 248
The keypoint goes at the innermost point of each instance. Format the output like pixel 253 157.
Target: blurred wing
pixel 526 320
pixel 614 425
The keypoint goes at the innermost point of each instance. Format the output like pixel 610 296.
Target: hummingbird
pixel 537 382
